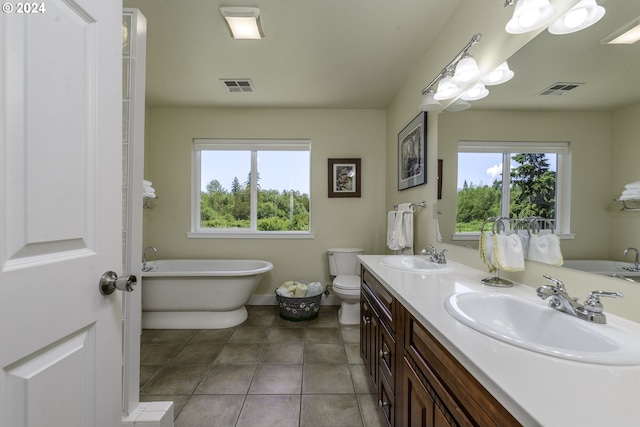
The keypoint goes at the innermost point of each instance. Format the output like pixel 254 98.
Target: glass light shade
pixel 530 15
pixel 458 105
pixel 477 91
pixel 466 71
pixel 447 89
pixel 500 75
pixel 429 103
pixel 579 17
pixel 243 22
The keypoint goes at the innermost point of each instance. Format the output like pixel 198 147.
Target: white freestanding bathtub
pixel 603 267
pixel 198 294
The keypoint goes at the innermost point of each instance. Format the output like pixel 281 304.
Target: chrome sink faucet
pixel 435 256
pixel 636 266
pixel 145 268
pixel 591 310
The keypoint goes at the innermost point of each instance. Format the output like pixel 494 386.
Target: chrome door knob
pixel 110 281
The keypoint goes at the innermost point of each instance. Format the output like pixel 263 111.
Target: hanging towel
pixel 545 248
pixel 524 238
pixel 486 250
pixel 404 228
pixel 392 238
pixel 507 252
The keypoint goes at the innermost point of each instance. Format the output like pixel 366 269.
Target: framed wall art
pixel 412 153
pixel 344 178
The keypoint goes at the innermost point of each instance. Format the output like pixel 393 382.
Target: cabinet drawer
pixel 387 357
pixel 468 402
pixel 383 300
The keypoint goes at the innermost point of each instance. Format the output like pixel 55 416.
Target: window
pixel 514 180
pixel 251 188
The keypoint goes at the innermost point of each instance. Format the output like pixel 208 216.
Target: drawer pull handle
pixel 381 403
pixel 384 353
pixel 366 320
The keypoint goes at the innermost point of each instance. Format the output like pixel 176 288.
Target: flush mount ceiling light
pixel 529 15
pixel 629 34
pixel 498 76
pixel 579 17
pixel 244 22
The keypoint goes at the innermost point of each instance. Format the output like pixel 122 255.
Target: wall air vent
pixel 238 85
pixel 559 88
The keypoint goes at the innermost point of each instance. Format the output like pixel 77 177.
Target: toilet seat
pixel 347 283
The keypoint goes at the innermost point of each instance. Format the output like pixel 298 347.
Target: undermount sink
pixel 413 263
pixel 539 328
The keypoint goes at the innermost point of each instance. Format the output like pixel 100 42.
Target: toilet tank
pixel 344 261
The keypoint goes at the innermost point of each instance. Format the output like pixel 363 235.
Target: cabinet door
pixel 369 326
pixel 420 410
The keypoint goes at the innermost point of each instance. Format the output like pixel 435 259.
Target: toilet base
pixel 349 313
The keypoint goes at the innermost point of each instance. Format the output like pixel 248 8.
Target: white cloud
pixel 494 171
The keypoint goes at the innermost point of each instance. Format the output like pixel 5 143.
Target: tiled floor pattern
pixel 265 372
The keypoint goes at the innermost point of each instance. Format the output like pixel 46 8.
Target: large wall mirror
pixel 599 117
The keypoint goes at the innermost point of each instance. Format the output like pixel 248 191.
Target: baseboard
pixel 150 414
pixel 330 299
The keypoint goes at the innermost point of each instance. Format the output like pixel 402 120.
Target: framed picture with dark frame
pixel 344 178
pixel 412 153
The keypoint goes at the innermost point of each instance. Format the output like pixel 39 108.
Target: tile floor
pixel 265 372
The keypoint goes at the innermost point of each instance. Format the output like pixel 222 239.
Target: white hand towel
pixel 632 185
pixel 149 195
pixel 524 238
pixel 507 251
pixel 392 238
pixel 149 190
pixel 301 290
pixel 545 248
pixel 284 292
pixel 486 250
pixel 147 183
pixel 404 228
pixel 631 192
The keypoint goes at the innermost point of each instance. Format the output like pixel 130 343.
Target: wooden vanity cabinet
pixel 418 382
pixel 378 344
pixel 438 390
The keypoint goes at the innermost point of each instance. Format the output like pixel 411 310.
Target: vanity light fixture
pixel 466 71
pixel 498 76
pixel 458 105
pixel 243 22
pixel 429 103
pixel 447 89
pixel 477 91
pixel 582 15
pixel 629 34
pixel 529 15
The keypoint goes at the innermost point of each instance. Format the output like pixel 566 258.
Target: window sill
pixel 249 235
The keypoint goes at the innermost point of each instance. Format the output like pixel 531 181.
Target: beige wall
pixel 625 157
pixel 336 222
pixel 589 137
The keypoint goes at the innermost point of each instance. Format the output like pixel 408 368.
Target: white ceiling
pixel 357 54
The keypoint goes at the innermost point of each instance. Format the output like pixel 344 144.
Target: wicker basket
pixel 299 309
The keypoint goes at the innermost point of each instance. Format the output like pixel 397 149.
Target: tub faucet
pixel 636 265
pixel 591 310
pixel 144 258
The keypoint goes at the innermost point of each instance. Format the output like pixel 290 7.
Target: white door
pixel 60 213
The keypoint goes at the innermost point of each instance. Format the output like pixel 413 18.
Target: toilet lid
pixel 347 282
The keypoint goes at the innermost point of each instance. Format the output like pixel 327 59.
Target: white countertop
pixel 537 389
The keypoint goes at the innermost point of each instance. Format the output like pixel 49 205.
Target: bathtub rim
pixel 157 271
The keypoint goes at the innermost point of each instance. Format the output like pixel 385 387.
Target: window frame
pixel 253 146
pixel 507 149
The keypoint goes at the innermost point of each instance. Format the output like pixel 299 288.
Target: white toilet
pixel 345 268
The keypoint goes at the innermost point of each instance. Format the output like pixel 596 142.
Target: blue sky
pixel 278 170
pixel 484 168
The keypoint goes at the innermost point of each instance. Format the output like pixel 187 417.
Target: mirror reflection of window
pixel 502 179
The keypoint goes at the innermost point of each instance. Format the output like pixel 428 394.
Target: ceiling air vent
pixel 559 88
pixel 238 85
